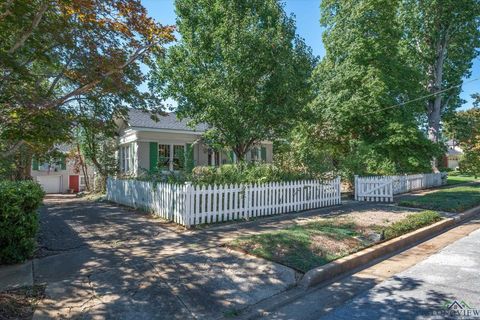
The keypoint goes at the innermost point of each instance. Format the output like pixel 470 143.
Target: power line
pixel 423 97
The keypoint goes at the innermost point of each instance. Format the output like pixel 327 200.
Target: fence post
pixel 356 187
pixel 187 207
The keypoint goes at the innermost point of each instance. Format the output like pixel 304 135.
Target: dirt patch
pixel 321 244
pixel 366 219
pixel 20 303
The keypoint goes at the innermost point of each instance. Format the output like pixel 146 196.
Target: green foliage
pixel 363 74
pixel 61 60
pixel 301 246
pixel 464 127
pixel 441 39
pixel 457 199
pixel 410 223
pixel 238 67
pixel 251 173
pixel 230 174
pixel 19 202
pixel 460 178
pixel 98 146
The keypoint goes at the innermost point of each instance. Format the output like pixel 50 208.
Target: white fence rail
pixel 383 188
pixel 192 205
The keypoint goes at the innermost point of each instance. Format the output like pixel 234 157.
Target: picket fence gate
pixel 190 205
pixel 383 188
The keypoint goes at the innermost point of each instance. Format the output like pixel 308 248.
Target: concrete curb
pixel 343 265
pixel 364 258
pixel 16 276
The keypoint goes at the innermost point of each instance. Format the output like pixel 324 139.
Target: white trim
pixel 167 130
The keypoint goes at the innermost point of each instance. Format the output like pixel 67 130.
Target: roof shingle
pixel 169 121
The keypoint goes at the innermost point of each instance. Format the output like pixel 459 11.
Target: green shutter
pixel 63 163
pixel 153 155
pixel 232 157
pixel 34 164
pixel 189 159
pixel 264 154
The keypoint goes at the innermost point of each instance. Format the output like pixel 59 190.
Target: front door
pixel 73 183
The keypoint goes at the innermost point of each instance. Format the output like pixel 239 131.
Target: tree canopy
pixel 239 67
pixel 361 85
pixel 441 38
pixel 55 54
pixel 464 128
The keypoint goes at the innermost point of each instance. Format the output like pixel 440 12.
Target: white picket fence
pixel 383 188
pixel 193 205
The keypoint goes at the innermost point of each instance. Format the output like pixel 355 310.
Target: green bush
pixel 19 202
pixel 230 174
pixel 410 223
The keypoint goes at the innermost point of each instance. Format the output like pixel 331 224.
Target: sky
pixel 307 16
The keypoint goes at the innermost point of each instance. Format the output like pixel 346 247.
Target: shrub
pixel 19 202
pixel 410 223
pixel 246 173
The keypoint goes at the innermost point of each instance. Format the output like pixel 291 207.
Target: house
pixel 145 144
pixel 61 175
pixel 453 155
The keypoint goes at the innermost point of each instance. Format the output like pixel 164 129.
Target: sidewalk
pixel 408 285
pixel 101 260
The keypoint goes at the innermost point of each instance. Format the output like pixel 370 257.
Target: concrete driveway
pixel 101 261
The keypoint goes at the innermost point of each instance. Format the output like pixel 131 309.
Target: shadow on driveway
pixel 102 261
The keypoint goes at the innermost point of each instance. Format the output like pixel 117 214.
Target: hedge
pixel 19 201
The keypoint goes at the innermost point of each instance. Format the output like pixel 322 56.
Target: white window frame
pixel 126 158
pixel 257 154
pixel 171 154
pixel 212 156
pixel 173 157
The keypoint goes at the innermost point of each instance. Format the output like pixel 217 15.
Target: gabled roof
pixel 169 121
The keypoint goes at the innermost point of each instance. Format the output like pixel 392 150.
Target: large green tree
pixel 441 38
pixel 239 67
pixel 362 85
pixel 56 53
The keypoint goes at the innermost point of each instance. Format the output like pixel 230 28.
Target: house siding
pixel 140 141
pixel 143 156
pixel 62 174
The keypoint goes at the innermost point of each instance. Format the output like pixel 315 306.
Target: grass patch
pixel 304 247
pixel 456 199
pixel 410 223
pixel 457 179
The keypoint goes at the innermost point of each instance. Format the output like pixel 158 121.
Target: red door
pixel 73 183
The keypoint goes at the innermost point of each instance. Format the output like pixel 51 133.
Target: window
pixel 213 158
pixel 255 154
pixel 126 159
pixel 164 156
pixel 178 157
pixel 258 154
pixel 82 181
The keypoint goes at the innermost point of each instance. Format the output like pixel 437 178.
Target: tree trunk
pixel 84 168
pixel 434 107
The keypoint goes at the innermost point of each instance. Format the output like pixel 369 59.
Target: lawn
pixel 459 178
pixel 316 243
pixel 456 199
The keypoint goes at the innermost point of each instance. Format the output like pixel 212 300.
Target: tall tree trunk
pixel 434 106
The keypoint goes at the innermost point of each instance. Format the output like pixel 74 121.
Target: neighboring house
pixel 61 175
pixel 145 144
pixel 453 155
